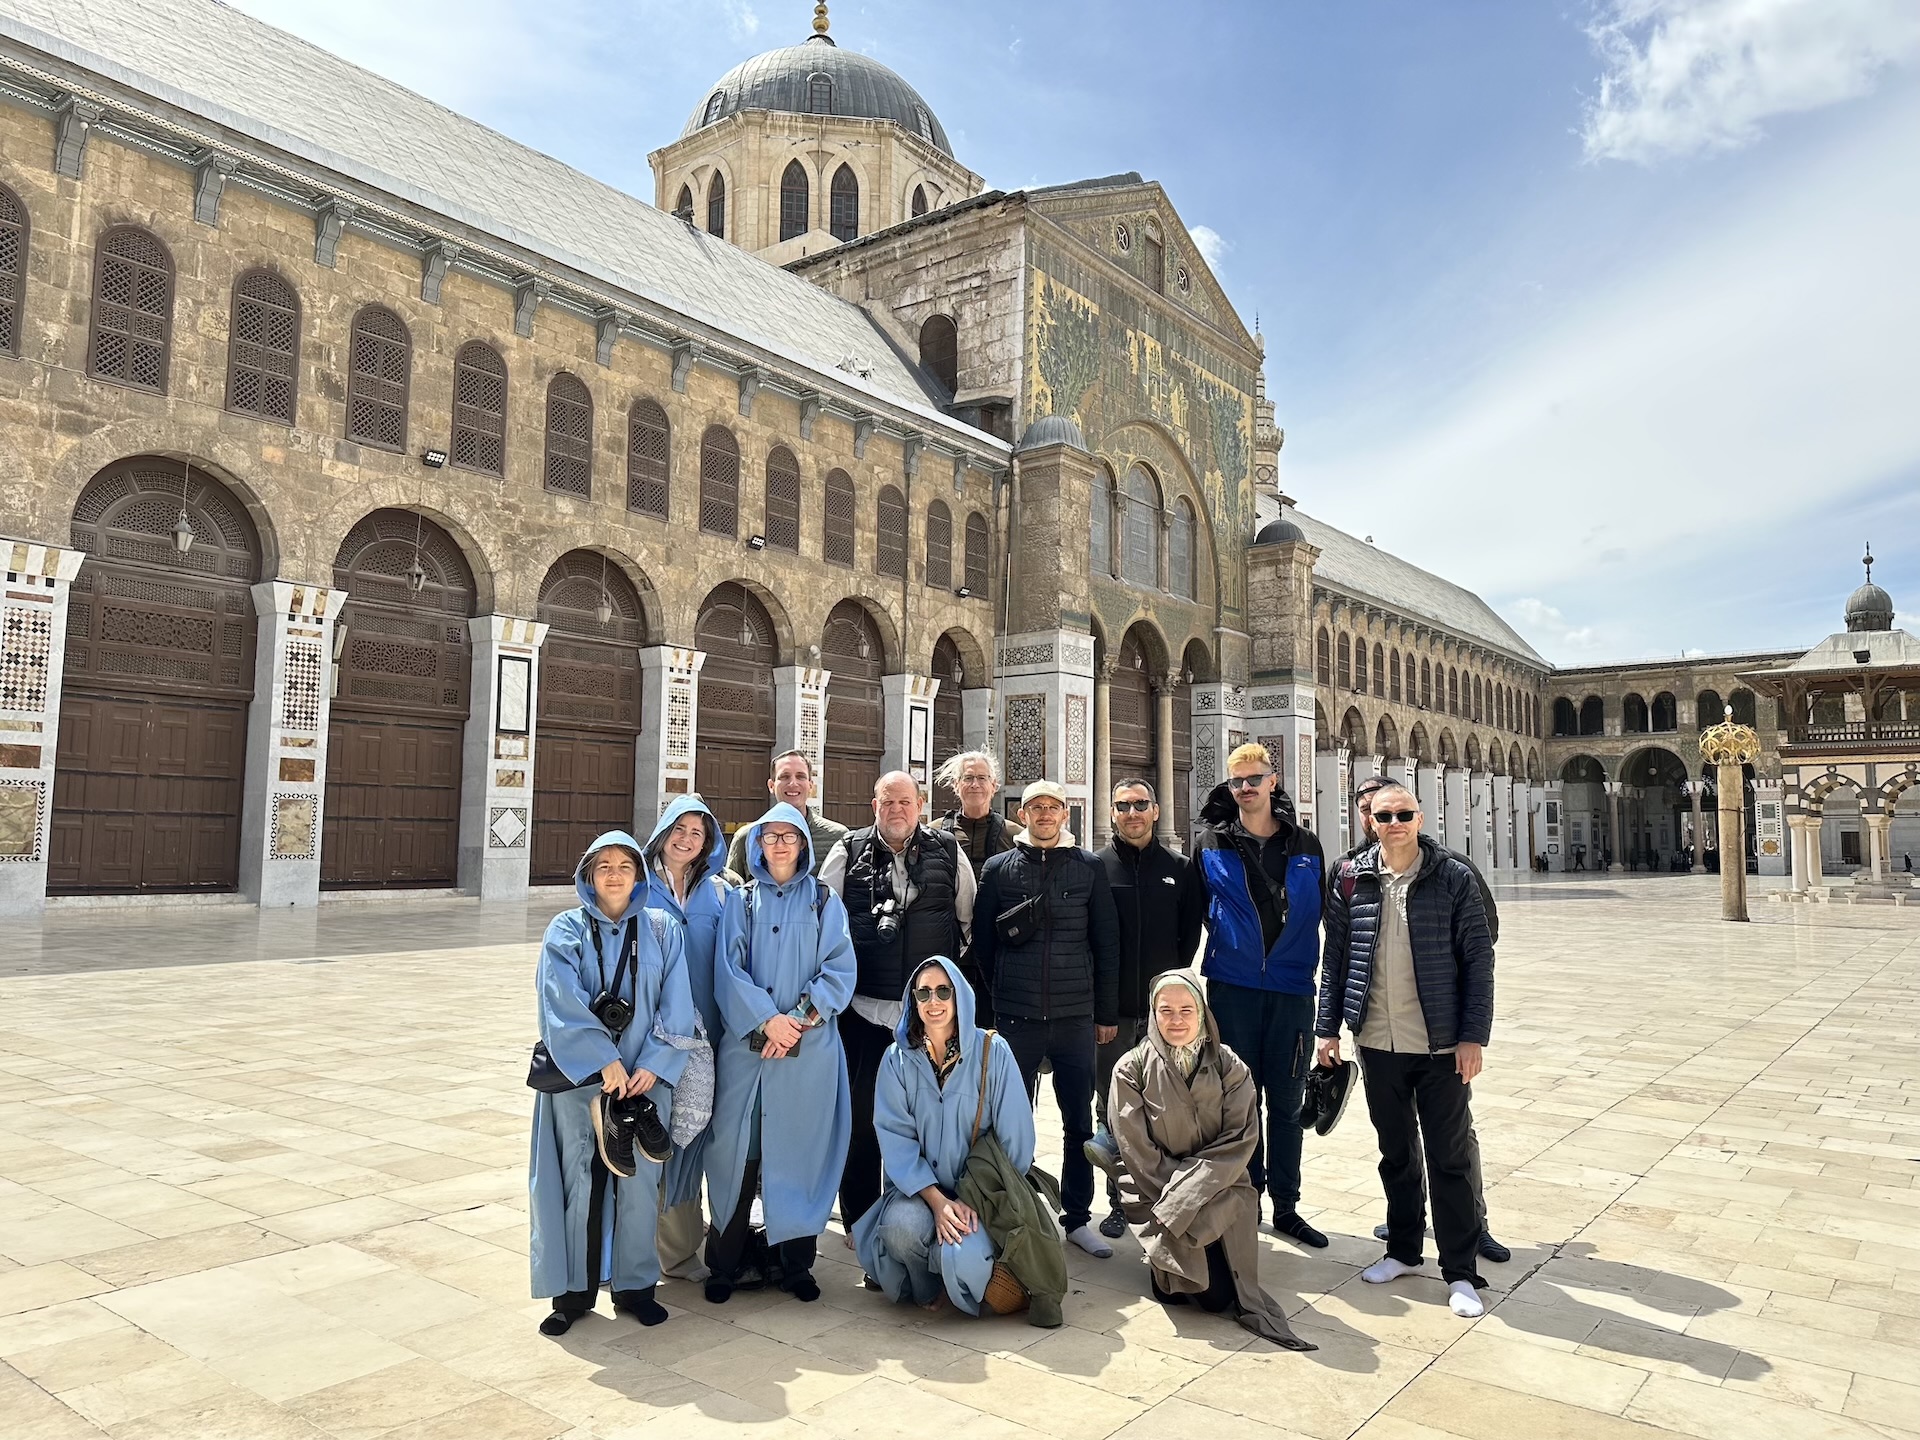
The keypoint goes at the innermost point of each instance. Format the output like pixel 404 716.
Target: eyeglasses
pixel 976 780
pixel 781 838
pixel 1248 782
pixel 933 992
pixel 1395 817
pixel 1132 807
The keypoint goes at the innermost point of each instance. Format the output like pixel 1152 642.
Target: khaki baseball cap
pixel 1050 789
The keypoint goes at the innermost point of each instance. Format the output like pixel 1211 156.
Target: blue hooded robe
pixel 804 1117
pixel 701 918
pixel 559 1179
pixel 926 1133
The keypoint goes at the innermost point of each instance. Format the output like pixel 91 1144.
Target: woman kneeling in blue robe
pixel 920 1237
pixel 585 1139
pixel 782 1108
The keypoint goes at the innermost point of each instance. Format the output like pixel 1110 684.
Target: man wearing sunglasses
pixel 1409 967
pixel 1263 875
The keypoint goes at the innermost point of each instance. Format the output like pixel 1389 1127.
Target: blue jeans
pixel 1273 1033
pixel 1069 1045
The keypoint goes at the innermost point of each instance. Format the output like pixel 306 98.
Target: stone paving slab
pixel 264 1176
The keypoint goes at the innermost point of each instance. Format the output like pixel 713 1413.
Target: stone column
pixel 1695 788
pixel 1796 855
pixel 1768 804
pixel 663 755
pixel 33 653
pixel 1816 862
pixel 1426 788
pixel 1877 826
pixel 1453 782
pixel 976 718
pixel 496 759
pixel 1521 811
pixel 1500 800
pixel 1479 816
pixel 909 701
pixel 1551 806
pixel 800 717
pixel 1046 717
pixel 1100 821
pixel 1733 843
pixel 1326 799
pixel 286 775
pixel 1277 713
pixel 1163 758
pixel 1619 865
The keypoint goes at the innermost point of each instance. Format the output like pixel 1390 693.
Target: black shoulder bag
pixel 543 1075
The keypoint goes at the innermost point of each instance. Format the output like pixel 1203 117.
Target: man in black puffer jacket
pixel 1046 939
pixel 1409 966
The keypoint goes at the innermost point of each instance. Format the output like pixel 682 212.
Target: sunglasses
pixel 1394 817
pixel 1132 807
pixel 933 992
pixel 1248 782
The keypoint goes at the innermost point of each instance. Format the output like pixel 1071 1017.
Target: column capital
pixel 300 604
pixel 29 562
pixel 507 630
pixel 1108 667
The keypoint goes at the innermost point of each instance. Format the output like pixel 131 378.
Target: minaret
pixel 1267 440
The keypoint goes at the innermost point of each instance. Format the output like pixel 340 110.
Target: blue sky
pixel 1605 309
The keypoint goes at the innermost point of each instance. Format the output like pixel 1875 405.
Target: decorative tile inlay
pixel 1026 655
pixel 679 721
pixel 1076 739
pixel 510 779
pixel 1026 739
pixel 811 737
pixel 26 637
pixel 1203 699
pixel 297 770
pixel 300 699
pixel 292 836
pixel 1269 702
pixel 507 827
pixel 21 826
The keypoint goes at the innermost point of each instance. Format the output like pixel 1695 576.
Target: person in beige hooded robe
pixel 1185 1118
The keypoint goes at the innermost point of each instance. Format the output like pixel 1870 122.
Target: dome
pixel 1279 532
pixel 1051 430
pixel 1869 608
pixel 860 87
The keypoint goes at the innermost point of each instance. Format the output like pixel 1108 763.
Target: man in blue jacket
pixel 1264 876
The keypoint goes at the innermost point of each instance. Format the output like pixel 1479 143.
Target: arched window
pixel 263 347
pixel 1181 541
pixel 1426 684
pixel 1742 702
pixel 819 94
pixel 890 533
pixel 919 206
pixel 1360 666
pixel 1593 716
pixel 1666 712
pixel 1633 715
pixel 1153 262
pixel 480 409
pixel 783 500
pixel 1566 721
pixel 648 466
pixel 379 371
pixel 717 205
pixel 715 102
pixel 569 436
pixel 1453 691
pixel 15 225
pixel 1393 675
pixel 1100 524
pixel 1708 709
pixel 841 517
pixel 1343 664
pixel 683 207
pixel 132 309
pixel 940 351
pixel 844 216
pixel 940 545
pixel 923 123
pixel 977 553
pixel 720 482
pixel 1379 675
pixel 1140 531
pixel 1323 657
pixel 795 200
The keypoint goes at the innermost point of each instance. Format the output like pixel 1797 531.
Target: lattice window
pixel 923 122
pixel 716 102
pixel 819 94
pixel 841 519
pixel 720 482
pixel 844 216
pixel 1393 676
pixel 940 545
pixel 132 309
pixel 890 533
pixel 919 206
pixel 795 200
pixel 1426 684
pixel 1100 525
pixel 263 350
pixel 569 436
pixel 1140 556
pixel 1343 669
pixel 683 207
pixel 717 205
pixel 480 409
pixel 1153 261
pixel 1360 667
pixel 379 371
pixel 1323 657
pixel 977 563
pixel 1379 673
pixel 647 459
pixel 940 351
pixel 1181 543
pixel 14 226
pixel 1453 691
pixel 783 499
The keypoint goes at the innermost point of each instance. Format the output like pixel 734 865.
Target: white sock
pixel 1091 1241
pixel 1387 1268
pixel 1464 1301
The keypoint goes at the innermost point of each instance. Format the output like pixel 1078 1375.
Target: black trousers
pixel 1130 1034
pixel 727 1249
pixel 576 1303
pixel 1220 1292
pixel 1419 1102
pixel 865 1044
pixel 1069 1046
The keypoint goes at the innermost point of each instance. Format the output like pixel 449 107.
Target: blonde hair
pixel 1251 753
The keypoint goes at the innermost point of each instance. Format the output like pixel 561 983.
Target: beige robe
pixel 1185 1146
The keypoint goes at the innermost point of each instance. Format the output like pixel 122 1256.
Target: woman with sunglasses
pixel 921 1241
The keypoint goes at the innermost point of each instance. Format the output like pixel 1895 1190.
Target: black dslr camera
pixel 613 1012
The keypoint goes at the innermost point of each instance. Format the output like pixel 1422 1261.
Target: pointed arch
pixel 795 201
pixel 843 219
pixel 717 206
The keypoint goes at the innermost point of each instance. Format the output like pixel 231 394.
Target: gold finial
pixel 820 17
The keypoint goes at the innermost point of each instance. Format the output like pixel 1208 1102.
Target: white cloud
pixel 1686 76
pixel 743 23
pixel 1545 625
pixel 1213 246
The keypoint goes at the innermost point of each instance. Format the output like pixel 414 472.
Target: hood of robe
pixel 716 838
pixel 781 814
pixel 583 883
pixel 1209 1027
pixel 963 1007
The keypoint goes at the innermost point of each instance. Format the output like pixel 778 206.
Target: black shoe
pixel 614 1135
pixel 648 1133
pixel 801 1285
pixel 718 1291
pixel 1380 1233
pixel 1492 1249
pixel 1294 1228
pixel 641 1305
pixel 1324 1100
pixel 1114 1226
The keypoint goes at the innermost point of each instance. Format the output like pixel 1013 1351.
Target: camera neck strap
pixel 626 970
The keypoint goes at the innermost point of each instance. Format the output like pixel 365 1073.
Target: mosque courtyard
pixel 262 1175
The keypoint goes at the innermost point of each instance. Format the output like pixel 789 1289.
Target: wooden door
pixel 856 714
pixel 393 804
pixel 1132 718
pixel 735 739
pixel 582 788
pixel 949 717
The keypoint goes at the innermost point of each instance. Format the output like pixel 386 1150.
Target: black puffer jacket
pixel 1071 967
pixel 1452 954
pixel 1162 906
pixel 1486 890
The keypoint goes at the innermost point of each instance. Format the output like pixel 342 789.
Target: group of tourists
pixel 734 1039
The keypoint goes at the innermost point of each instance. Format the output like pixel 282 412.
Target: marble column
pixel 1163 758
pixel 496 758
pixel 1479 818
pixel 1500 804
pixel 1326 802
pixel 1277 712
pixel 1100 822
pixel 1768 806
pixel 33 653
pixel 800 717
pixel 1453 785
pixel 1046 716
pixel 1521 809
pixel 909 720
pixel 1695 788
pixel 286 766
pixel 1426 787
pixel 976 719
pixel 1614 837
pixel 664 753
pixel 1877 826
pixel 1550 808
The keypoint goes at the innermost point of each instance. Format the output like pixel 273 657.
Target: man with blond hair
pixel 1264 875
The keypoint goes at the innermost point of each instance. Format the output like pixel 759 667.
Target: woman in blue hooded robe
pixel 611 944
pixel 688 879
pixel 782 1110
pixel 919 1237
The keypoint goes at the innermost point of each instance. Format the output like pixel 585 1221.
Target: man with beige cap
pixel 1046 939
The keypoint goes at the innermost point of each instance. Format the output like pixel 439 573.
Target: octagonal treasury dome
pixel 819 78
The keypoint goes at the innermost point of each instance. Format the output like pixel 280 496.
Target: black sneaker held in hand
pixel 1325 1099
pixel 613 1134
pixel 649 1132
